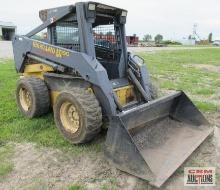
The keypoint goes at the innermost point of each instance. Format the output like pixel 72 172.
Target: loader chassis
pixel 77 62
pixel 125 94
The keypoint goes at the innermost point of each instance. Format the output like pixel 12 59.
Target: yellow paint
pixel 38 75
pixel 53 96
pixel 34 68
pixel 125 94
pixel 25 99
pixel 69 117
pixel 37 70
pixel 90 90
pixel 57 52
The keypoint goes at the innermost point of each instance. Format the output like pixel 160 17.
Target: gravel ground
pixel 47 168
pixel 6 49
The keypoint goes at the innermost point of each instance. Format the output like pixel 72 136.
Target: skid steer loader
pixel 77 62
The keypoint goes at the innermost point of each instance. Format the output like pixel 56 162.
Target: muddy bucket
pixel 151 141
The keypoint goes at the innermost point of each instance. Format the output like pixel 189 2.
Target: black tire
pixel 153 91
pixel 39 96
pixel 88 110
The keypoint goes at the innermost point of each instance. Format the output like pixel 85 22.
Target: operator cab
pixel 109 37
pixel 105 34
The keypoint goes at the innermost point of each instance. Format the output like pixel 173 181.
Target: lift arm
pixel 88 67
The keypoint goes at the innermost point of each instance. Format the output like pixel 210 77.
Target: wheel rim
pixel 69 117
pixel 25 99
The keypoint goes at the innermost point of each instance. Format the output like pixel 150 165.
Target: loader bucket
pixel 152 140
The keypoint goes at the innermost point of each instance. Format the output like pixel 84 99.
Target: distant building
pixel 104 38
pixel 7 30
pixel 188 42
pixel 132 40
pixel 107 37
pixel 218 38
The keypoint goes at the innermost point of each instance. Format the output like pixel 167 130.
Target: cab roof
pixel 99 8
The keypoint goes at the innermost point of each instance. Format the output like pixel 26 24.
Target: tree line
pixel 159 38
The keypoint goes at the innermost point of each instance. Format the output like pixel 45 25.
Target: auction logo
pixel 199 176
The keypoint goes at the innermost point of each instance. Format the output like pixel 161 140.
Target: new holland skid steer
pixel 77 62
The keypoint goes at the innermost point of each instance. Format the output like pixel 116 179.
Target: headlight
pixel 91 7
pixel 124 13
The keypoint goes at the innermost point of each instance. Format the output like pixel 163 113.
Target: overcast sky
pixel 173 19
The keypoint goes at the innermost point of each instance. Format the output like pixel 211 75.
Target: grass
pixel 35 184
pixel 76 187
pixel 6 165
pixel 104 187
pixel 172 69
pixel 195 56
pixel 111 185
pixel 175 70
pixel 217 177
pixel 206 106
pixel 14 127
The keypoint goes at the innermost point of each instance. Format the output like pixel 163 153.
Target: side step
pixel 151 141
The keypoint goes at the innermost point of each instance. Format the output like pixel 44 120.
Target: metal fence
pixel 66 34
pixel 104 36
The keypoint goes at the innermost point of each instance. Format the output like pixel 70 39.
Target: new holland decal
pixel 59 53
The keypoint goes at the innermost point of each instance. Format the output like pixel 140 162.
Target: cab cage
pixel 91 28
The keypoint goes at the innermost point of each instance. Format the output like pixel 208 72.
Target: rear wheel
pixel 32 97
pixel 78 115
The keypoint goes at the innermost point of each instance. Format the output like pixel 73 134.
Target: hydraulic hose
pixel 138 85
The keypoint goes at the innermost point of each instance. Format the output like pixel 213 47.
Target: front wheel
pixel 78 115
